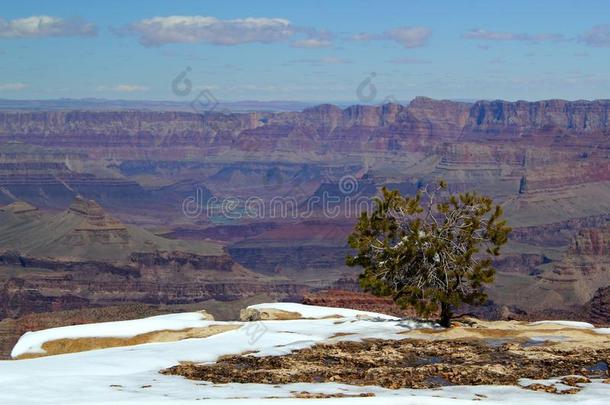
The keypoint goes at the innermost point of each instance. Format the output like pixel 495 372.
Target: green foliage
pixel 432 255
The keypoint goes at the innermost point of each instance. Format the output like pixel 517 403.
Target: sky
pixel 315 51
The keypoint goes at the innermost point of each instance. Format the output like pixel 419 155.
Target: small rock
pixel 542 388
pixel 206 315
pixel 266 314
pixel 574 380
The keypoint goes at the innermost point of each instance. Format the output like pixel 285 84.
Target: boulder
pixel 206 316
pixel 267 314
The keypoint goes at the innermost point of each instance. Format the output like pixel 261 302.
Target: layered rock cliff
pixel 440 119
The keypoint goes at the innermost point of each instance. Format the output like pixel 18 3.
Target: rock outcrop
pixel 19 207
pixel 267 314
pixel 578 277
pixel 598 309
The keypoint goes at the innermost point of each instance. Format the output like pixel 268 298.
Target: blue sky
pixel 306 50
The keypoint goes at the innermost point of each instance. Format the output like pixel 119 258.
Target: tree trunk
pixel 446 315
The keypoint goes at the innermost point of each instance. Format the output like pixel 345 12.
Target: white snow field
pixel 315 312
pixel 130 375
pixel 568 324
pixel 31 342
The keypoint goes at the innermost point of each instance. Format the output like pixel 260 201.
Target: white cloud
pixel 315 38
pixel 124 88
pixel 312 43
pixel 46 26
pixel 480 34
pixel 333 60
pixel 158 31
pixel 364 36
pixel 408 37
pixel 598 36
pixel 13 86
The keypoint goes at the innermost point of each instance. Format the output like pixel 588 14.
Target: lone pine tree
pixel 432 251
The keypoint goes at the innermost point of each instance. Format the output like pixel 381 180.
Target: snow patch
pixel 316 312
pixel 570 324
pixel 32 342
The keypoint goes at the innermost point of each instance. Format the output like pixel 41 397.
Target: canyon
pixel 125 207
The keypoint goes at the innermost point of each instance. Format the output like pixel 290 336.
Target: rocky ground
pixel 410 363
pixel 471 352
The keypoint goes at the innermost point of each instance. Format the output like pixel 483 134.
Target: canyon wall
pixel 546 162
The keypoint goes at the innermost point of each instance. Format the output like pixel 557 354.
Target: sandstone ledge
pixel 63 346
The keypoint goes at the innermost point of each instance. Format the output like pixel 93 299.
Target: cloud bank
pixel 46 26
pixel 484 35
pixel 159 31
pixel 598 36
pixel 408 37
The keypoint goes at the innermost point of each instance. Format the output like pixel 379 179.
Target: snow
pixel 31 342
pixel 542 339
pixel 130 375
pixel 315 312
pixel 569 324
pixel 592 394
pixel 574 324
